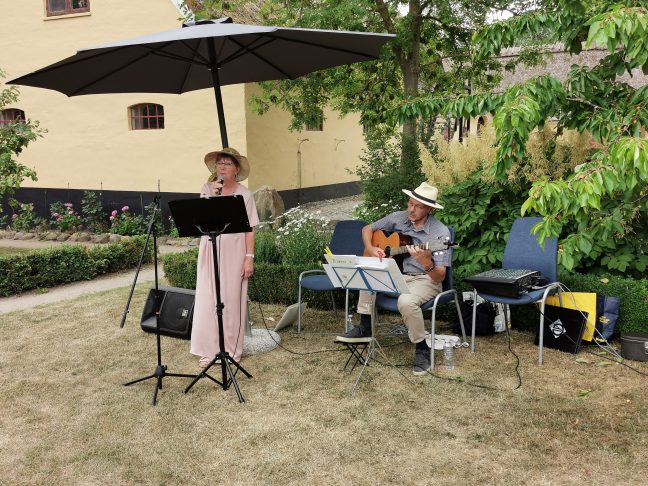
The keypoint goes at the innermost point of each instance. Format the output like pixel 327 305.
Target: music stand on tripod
pixel 213 217
pixel 160 370
pixel 372 275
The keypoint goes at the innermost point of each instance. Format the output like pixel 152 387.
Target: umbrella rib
pixel 148 52
pixel 247 50
pixel 315 44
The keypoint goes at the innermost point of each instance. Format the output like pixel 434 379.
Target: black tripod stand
pixel 160 370
pixel 213 217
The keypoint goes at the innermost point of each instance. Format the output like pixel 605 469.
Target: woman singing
pixel 235 264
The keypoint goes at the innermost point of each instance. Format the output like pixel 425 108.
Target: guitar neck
pixel 432 246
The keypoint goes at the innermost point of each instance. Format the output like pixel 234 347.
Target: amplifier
pixel 176 312
pixel 505 282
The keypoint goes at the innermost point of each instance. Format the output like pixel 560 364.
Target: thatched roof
pixel 558 63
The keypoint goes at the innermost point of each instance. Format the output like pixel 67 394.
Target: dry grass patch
pixel 67 419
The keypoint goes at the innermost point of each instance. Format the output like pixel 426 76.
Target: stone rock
pixel 269 203
pixel 63 237
pixel 51 236
pixel 194 242
pixel 28 236
pixel 73 237
pixel 83 237
pixel 114 239
pixel 162 240
pixel 19 235
pixel 102 238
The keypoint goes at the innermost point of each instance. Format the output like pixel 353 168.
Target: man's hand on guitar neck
pixel 424 257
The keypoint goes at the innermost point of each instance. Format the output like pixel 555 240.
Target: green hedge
pixel 66 263
pixel 271 283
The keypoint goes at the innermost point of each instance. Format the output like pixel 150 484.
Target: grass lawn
pixel 67 419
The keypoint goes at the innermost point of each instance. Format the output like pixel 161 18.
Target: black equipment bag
pixel 484 321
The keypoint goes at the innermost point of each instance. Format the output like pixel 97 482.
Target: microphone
pixel 220 180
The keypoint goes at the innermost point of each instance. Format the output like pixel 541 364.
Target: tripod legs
pixel 159 374
pixel 227 375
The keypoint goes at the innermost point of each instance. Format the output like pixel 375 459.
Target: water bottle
pixel 448 356
pixel 349 322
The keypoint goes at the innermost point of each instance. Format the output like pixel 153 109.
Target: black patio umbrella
pixel 204 54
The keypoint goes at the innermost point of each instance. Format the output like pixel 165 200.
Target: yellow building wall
pixel 325 155
pixel 89 142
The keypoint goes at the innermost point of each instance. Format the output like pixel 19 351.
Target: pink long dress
pixel 233 288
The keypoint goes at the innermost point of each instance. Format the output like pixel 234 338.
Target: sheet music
pixel 365 273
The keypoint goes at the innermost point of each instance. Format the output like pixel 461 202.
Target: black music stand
pixel 160 370
pixel 213 217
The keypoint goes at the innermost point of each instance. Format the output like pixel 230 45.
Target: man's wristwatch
pixel 430 268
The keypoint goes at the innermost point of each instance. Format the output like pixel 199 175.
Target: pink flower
pixel 114 213
pixel 70 212
pixel 125 208
pixel 68 205
pixel 112 217
pixel 55 215
pixel 14 216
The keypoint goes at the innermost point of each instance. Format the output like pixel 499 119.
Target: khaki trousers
pixel 422 289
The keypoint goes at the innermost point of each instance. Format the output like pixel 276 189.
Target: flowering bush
pixel 126 224
pixel 374 213
pixel 64 217
pixel 303 236
pixel 26 218
pixel 173 229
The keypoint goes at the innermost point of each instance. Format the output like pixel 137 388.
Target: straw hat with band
pixel 243 163
pixel 426 194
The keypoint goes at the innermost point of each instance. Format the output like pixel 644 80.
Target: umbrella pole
pixel 217 93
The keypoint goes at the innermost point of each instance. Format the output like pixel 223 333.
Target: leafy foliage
pixel 600 208
pixel 126 224
pixel 383 176
pixel 14 137
pixel 25 218
pixel 93 215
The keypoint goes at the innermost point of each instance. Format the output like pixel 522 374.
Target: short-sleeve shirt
pixel 433 229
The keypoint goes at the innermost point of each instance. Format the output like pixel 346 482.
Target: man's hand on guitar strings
pixel 424 257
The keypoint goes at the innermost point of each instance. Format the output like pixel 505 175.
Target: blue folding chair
pixel 346 240
pixel 523 251
pixel 389 302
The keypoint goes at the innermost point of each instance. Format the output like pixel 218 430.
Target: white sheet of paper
pixel 332 275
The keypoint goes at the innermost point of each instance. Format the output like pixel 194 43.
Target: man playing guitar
pixel 422 269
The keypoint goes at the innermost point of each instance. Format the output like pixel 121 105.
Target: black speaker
pixel 176 312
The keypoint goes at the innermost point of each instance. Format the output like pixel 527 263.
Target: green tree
pixel 428 31
pixel 14 137
pixel 601 207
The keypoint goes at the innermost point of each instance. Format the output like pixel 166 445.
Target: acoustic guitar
pixel 396 244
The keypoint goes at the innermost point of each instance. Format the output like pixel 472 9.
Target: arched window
pixel 11 115
pixel 481 123
pixel 146 116
pixel 66 7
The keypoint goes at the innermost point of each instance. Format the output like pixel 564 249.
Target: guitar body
pixel 386 243
pixel 394 245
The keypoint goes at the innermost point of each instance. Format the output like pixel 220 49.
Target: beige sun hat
pixel 244 164
pixel 426 194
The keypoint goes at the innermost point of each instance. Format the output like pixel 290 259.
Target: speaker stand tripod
pixel 160 370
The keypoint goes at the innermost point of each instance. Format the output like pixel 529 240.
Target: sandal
pixel 204 361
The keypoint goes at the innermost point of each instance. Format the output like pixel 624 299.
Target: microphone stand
pixel 160 370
